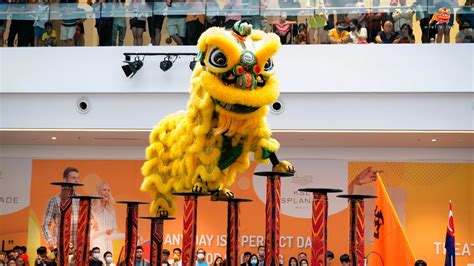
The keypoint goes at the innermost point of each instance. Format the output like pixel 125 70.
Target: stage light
pixel 166 64
pixel 53 138
pixel 434 140
pixel 192 64
pixel 131 68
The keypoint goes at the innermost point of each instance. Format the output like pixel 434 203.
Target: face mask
pixel 353 28
pixel 281 262
pixel 340 28
pixel 96 256
pixel 304 264
pixel 253 262
pixel 467 31
pixel 108 259
pixel 200 256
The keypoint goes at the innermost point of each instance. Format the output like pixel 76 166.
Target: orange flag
pixel 390 240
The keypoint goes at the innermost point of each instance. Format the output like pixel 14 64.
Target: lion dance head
pixel 203 148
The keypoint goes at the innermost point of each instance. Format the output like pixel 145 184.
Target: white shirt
pixel 402 16
pixel 362 32
pixel 172 263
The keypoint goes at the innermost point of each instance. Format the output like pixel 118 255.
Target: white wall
pixel 323 68
pixel 352 87
pixel 342 111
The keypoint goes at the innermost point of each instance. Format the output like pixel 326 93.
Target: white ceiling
pixel 286 138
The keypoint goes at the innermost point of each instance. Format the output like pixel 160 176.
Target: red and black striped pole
pixel 156 239
pixel 272 212
pixel 65 219
pixel 319 224
pixel 233 225
pixel 131 231
pixel 357 227
pixel 189 225
pixel 83 229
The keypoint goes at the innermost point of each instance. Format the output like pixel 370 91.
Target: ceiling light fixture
pixel 192 64
pixel 166 64
pixel 131 68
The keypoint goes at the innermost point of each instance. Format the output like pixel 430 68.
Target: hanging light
pixel 192 64
pixel 166 64
pixel 131 68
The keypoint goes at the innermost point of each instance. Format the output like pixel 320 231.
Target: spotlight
pixel 192 64
pixel 166 64
pixel 131 68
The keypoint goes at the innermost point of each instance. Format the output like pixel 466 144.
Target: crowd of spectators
pixel 18 256
pixel 331 21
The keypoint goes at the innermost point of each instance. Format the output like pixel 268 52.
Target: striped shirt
pixel 52 215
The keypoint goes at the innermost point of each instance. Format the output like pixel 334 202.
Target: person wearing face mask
pixel 108 258
pixel 261 256
pixel 304 262
pixel 339 35
pixel 201 255
pixel 95 257
pixel 465 34
pixel 176 260
pixel 358 33
pixel 254 260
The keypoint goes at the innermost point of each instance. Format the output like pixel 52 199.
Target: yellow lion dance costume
pixel 202 149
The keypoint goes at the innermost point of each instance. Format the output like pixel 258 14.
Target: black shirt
pixel 95 263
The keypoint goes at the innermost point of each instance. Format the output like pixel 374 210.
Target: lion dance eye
pixel 218 59
pixel 268 65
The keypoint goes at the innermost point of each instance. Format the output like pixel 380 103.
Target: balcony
pixel 138 23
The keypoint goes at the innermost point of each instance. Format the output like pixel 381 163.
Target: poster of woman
pixel 104 221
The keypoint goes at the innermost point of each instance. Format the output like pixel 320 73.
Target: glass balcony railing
pixel 171 22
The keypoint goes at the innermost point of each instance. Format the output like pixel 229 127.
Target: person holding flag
pixel 449 243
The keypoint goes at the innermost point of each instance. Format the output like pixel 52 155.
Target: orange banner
pixel 419 192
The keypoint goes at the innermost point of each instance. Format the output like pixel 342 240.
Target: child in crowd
pixel 49 36
pixel 22 254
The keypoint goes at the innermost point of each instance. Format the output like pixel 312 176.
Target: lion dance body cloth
pixel 203 148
